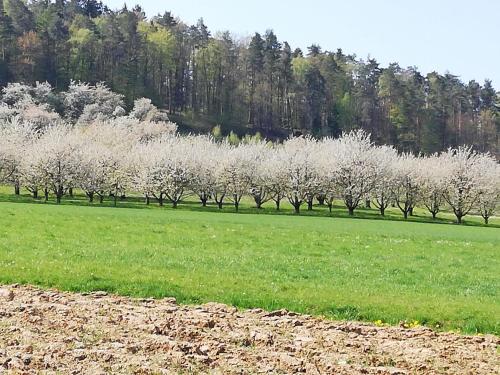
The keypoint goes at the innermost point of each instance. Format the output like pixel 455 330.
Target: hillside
pixel 204 78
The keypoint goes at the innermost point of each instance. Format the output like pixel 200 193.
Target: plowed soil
pixel 49 332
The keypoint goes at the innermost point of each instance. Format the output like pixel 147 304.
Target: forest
pixel 244 84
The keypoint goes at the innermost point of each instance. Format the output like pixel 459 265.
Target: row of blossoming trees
pixel 141 152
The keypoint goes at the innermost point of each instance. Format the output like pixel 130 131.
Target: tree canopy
pixel 260 84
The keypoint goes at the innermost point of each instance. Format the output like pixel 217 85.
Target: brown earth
pixel 66 333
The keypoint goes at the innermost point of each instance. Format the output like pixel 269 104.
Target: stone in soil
pixel 68 333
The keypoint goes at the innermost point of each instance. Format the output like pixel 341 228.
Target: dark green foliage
pixel 261 85
pixel 6 42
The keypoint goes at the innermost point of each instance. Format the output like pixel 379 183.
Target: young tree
pixel 259 187
pixel 57 160
pixel 85 103
pixel 145 110
pixel 32 175
pixel 95 166
pixel 385 157
pixel 489 196
pixel 325 158
pixel 274 175
pixel 431 184
pixel 120 175
pixel 150 170
pixel 7 157
pixel 178 168
pixel 301 175
pixel 235 172
pixel 15 92
pixel 203 160
pixel 16 136
pixel 164 168
pixel 354 168
pixel 405 189
pixel 39 116
pixel 461 179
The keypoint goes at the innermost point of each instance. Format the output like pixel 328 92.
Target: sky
pixel 459 36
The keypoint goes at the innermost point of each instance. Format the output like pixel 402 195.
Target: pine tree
pixel 255 67
pixel 6 39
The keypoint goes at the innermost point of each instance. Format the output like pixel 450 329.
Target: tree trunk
pixel 321 199
pixel 101 198
pixel 35 194
pixel 160 200
pixel 147 200
pixel 330 206
pixel 410 211
pixel 46 194
pixel 59 194
pixel 236 205
pixel 277 204
pixel 405 214
pixel 70 192
pixel 486 219
pixel 433 215
pixel 204 200
pixel 91 197
pixel 174 203
pixel 309 205
pixel 17 189
pixel 351 211
pixel 382 210
pixel 368 203
pixel 258 202
pixel 296 205
pixel 115 199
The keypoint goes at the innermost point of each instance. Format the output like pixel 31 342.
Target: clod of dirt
pixel 6 294
pixel 55 332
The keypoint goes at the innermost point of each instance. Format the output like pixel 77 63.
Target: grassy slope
pixel 338 267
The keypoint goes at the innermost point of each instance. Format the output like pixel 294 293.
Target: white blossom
pixel 405 188
pixel 54 158
pixel 204 158
pixel 235 171
pixel 145 110
pixel 85 103
pixel 105 152
pixel 461 176
pixel 354 168
pixel 385 157
pixel 489 175
pixel 300 171
pixel 431 183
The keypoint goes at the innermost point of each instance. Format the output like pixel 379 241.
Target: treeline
pixel 117 156
pixel 260 84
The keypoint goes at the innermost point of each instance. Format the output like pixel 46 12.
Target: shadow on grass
pixel 338 210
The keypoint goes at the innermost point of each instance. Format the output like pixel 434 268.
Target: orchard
pixel 97 147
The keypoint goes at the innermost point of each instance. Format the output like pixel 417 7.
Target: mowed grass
pixel 247 206
pixel 444 276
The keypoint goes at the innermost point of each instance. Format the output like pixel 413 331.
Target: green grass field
pixel 444 276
